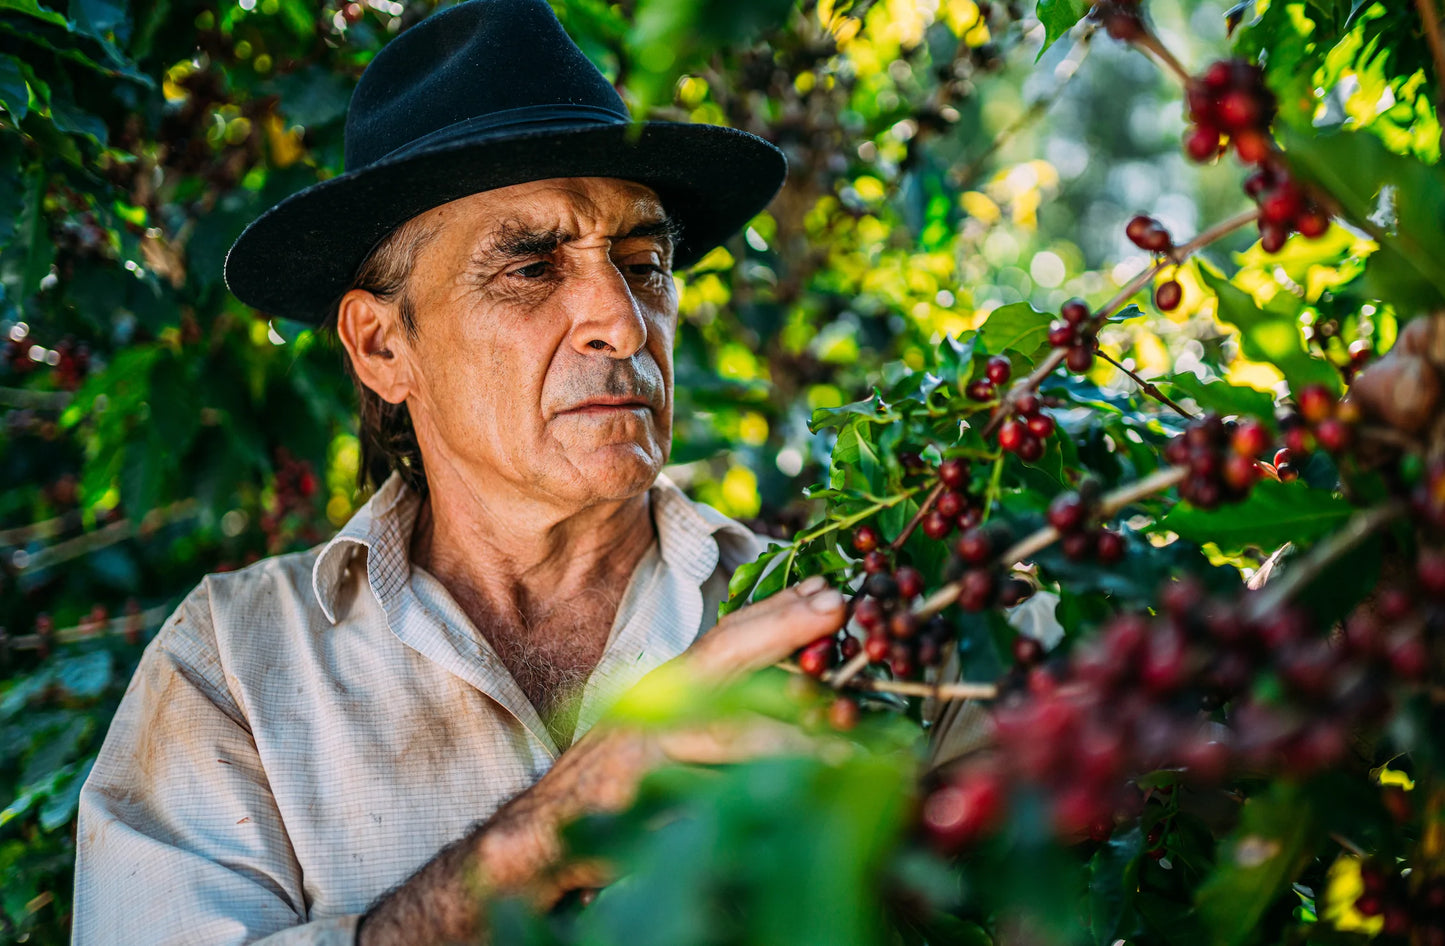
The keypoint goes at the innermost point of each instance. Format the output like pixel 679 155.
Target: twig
pixel 1056 357
pixel 84 631
pixel 1146 387
pixel 1032 544
pixel 1151 43
pixel 939 691
pixel 36 400
pixel 1431 21
pixel 1319 557
pixel 928 502
pixel 1348 845
pixel 841 677
pixel 118 531
pixel 44 529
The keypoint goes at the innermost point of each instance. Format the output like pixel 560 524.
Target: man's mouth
pixel 608 404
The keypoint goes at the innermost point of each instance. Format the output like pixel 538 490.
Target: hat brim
pixel 297 258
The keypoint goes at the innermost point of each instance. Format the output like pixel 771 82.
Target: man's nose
pixel 608 318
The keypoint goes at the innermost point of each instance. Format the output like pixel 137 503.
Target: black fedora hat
pixel 482 95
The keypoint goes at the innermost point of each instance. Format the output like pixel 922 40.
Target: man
pixel 364 741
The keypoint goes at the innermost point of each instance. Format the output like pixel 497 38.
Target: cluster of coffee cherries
pixel 1149 693
pixel 954 508
pixel 1024 433
pixel 1427 497
pixel 1319 419
pixel 1072 514
pixel 978 572
pixel 1220 458
pixel 1077 331
pixel 996 372
pixel 1407 908
pixel 1149 234
pixel 1123 20
pixel 293 489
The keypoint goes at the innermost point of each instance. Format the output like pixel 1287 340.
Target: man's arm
pixel 179 839
pixel 511 852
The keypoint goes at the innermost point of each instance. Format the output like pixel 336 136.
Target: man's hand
pixel 512 853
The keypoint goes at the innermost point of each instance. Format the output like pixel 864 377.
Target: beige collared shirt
pixel 305 733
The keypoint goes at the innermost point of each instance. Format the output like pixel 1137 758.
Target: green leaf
pixel 1058 17
pixel 1271 334
pixel 100 18
pixel 14 93
pixel 1257 862
pixel 1113 882
pixel 33 9
pixel 1400 200
pixel 1222 397
pixel 1018 327
pixel 1274 513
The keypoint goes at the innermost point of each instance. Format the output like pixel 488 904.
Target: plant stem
pixel 1146 387
pixel 1175 257
pixel 927 504
pixel 1430 19
pixel 840 677
pixel 1031 545
pixel 1151 43
pixel 1276 593
pixel 939 691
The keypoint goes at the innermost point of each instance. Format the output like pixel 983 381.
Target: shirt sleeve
pixel 179 838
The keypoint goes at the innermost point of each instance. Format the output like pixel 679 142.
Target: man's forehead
pixel 568 205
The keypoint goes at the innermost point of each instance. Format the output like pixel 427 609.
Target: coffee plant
pixel 1146 562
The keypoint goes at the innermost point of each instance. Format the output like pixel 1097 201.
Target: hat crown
pixel 480 62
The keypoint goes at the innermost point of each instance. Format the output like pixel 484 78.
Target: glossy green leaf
pixel 1273 514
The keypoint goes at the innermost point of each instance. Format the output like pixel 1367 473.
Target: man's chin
pixel 618 471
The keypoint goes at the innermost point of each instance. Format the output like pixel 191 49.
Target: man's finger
pixel 733 741
pixel 765 633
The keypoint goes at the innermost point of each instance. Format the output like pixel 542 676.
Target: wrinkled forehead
pixel 570 207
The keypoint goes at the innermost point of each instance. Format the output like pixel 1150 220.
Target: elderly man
pixel 364 741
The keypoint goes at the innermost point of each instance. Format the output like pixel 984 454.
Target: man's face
pixel 545 318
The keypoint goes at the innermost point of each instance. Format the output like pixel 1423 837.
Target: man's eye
pixel 532 270
pixel 644 269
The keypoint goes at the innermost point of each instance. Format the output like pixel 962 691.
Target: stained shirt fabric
pixel 304 733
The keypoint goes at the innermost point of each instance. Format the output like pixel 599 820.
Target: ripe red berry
pixel 1077 546
pixel 1315 403
pixel 954 473
pixel 1136 229
pixel 817 657
pixel 1299 440
pixel 1253 147
pixel 1312 224
pixel 865 539
pixel 1027 405
pixel 903 625
pixel 843 714
pixel 910 582
pixel 1219 76
pixel 877 649
pixel 981 389
pixel 875 562
pixel 1079 359
pixel 951 502
pixel 869 614
pixel 1281 205
pixel 998 370
pixel 1283 456
pixel 1287 472
pixel 1238 110
pixel 1011 434
pixel 1027 650
pixel 1040 425
pixel 1168 295
pixel 1250 439
pixel 1109 547
pixel 936 525
pixel 1430 572
pixel 1272 237
pixel 958 814
pixel 1067 512
pixel 975 546
pixel 1062 335
pixel 976 589
pixel 1259 182
pixel 1240 472
pixel 1333 434
pixel 849 647
pixel 1075 311
pixel 1201 143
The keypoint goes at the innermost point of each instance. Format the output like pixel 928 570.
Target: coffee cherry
pixel 1315 403
pixel 817 657
pixel 910 582
pixel 958 814
pixel 1014 592
pixel 1240 472
pixel 1027 404
pixel 1333 434
pixel 1011 434
pixel 981 389
pixel 1040 425
pixel 975 547
pixel 953 473
pixel 976 589
pixel 1077 546
pixel 1283 457
pixel 903 625
pixel 900 659
pixel 882 586
pixel 1030 449
pixel 869 614
pixel 877 649
pixel 1168 295
pixel 1281 205
pixel 865 539
pixel 849 647
pixel 1079 359
pixel 1272 237
pixel 1202 143
pixel 1067 512
pixel 1075 312
pixel 1250 439
pixel 951 502
pixel 1312 224
pixel 1109 547
pixel 843 715
pixel 1137 228
pixel 1300 440
pixel 936 525
pixel 1027 651
pixel 1253 147
pixel 1062 335
pixel 998 369
pixel 875 561
pixel 1430 572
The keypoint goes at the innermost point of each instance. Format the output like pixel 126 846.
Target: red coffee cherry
pixel 865 539
pixel 998 369
pixel 953 473
pixel 1168 295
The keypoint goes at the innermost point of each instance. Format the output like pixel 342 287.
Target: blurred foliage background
pixel 943 163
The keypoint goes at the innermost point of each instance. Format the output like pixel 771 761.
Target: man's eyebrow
pixel 663 228
pixel 514 241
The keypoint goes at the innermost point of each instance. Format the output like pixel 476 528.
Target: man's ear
pixel 375 340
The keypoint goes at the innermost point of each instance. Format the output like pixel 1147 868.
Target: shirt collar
pixel 686 533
